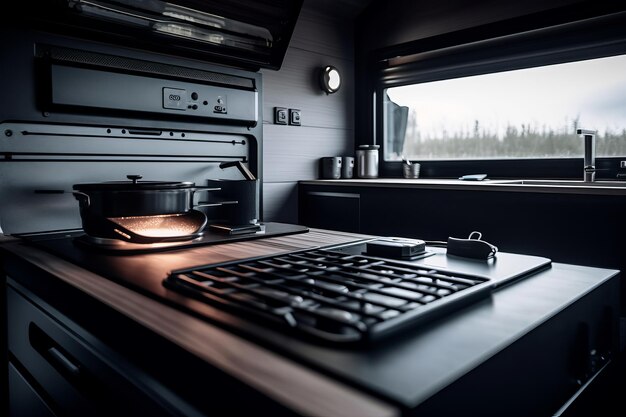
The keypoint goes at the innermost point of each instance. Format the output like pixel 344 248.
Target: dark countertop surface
pixel 406 371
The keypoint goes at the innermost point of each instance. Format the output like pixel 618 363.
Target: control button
pixel 280 115
pixel 195 107
pixel 174 98
pixel 194 96
pixel 219 105
pixel 294 117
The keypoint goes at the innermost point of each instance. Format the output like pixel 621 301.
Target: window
pixel 502 99
pixel 524 113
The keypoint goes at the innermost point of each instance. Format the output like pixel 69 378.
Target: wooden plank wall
pixel 291 153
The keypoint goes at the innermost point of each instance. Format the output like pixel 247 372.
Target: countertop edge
pixel 494 185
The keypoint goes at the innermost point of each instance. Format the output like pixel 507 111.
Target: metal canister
pixel 410 169
pixel 331 167
pixel 367 161
pixel 347 166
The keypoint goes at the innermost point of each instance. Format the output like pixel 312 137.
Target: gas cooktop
pixel 330 294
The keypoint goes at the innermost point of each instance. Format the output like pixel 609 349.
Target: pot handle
pixel 82 197
pixel 206 188
pixel 202 188
pixel 79 195
pixel 208 204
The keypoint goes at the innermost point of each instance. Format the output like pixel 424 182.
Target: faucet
pixel 589 163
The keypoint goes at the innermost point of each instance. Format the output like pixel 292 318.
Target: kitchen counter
pixel 498 338
pixel 617 188
pixel 274 376
pixel 577 223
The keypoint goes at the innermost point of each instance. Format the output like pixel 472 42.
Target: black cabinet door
pixel 74 371
pixel 330 210
pixel 23 399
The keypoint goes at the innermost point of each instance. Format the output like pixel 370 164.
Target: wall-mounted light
pixel 330 79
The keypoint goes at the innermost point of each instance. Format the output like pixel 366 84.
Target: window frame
pixel 596 37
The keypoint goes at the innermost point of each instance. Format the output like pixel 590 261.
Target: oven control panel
pixel 202 100
pixel 89 88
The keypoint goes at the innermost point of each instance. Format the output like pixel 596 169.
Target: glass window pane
pixel 526 113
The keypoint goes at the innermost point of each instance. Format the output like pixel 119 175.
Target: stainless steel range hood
pixel 250 34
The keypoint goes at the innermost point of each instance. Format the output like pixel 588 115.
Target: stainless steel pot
pixel 136 198
pixel 140 211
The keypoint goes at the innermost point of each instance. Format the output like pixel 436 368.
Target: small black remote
pixel 396 247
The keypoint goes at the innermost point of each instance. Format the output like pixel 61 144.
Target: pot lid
pixel 133 185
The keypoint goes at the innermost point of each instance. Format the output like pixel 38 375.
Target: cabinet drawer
pixel 330 210
pixel 23 399
pixel 77 377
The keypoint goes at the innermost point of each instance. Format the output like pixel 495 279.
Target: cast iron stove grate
pixel 331 295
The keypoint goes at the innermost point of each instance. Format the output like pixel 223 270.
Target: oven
pixel 86 113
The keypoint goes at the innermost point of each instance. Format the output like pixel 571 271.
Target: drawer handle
pixel 63 361
pixel 52 352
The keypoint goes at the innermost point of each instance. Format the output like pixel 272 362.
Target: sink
pixel 568 183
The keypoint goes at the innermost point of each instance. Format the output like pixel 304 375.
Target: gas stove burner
pixel 331 295
pixel 121 245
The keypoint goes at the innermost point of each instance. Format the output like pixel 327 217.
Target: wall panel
pixel 296 86
pixel 283 204
pixel 291 153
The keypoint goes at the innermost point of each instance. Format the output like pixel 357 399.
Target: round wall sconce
pixel 330 79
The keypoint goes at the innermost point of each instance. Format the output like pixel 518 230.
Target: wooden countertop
pixel 523 186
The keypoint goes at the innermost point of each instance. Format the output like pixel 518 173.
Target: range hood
pixel 249 34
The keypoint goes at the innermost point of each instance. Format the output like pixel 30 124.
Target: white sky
pixel 552 95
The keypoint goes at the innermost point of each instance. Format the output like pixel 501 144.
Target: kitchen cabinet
pixel 332 210
pixel 23 398
pixel 149 353
pixel 575 228
pixel 75 373
pixel 519 352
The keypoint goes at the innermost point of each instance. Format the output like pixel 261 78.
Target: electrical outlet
pixel 280 115
pixel 295 117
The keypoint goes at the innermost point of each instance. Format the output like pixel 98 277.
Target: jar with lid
pixel 367 161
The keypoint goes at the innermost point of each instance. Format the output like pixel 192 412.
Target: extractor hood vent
pixel 245 33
